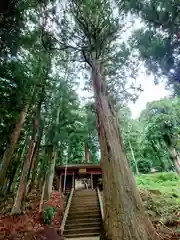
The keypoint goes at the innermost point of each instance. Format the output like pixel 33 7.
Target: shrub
pixel 48 215
pixel 144 166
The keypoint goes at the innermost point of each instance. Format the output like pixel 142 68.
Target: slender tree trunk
pixel 20 165
pixel 18 204
pixel 87 153
pixel 157 154
pixel 22 190
pixel 50 175
pixel 11 147
pixel 35 164
pixel 12 177
pixel 36 156
pixel 132 153
pixel 42 195
pixel 125 218
pixel 176 159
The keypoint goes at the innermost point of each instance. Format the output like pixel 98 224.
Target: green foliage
pixel 150 137
pixel 48 214
pixel 158 40
pixel 161 196
pixel 164 182
pixel 144 166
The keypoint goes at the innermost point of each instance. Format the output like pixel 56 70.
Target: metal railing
pixel 66 211
pixel 100 203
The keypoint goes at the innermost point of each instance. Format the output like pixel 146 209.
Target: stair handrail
pixel 66 211
pixel 100 203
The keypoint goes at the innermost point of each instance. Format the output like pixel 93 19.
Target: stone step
pixel 82 230
pixel 85 191
pixel 85 238
pixel 96 224
pixel 85 212
pixel 87 215
pixel 95 206
pixel 84 220
pixel 80 210
pixel 85 202
pixel 82 235
pixel 84 195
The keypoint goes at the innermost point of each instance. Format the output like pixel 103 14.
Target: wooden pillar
pixel 91 180
pixel 60 183
pixel 73 181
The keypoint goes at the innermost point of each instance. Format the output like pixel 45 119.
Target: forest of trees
pixel 47 48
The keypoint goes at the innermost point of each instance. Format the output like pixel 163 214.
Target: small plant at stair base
pixel 48 215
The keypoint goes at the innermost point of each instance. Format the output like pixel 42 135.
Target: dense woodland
pixel 49 47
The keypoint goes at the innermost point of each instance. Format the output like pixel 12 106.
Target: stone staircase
pixel 84 217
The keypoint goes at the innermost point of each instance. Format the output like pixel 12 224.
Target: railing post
pixel 66 211
pixel 100 203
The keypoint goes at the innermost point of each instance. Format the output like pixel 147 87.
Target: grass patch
pixel 160 193
pixel 166 183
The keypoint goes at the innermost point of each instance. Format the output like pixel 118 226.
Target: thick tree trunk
pixel 125 218
pixel 18 204
pixel 13 140
pixel 176 159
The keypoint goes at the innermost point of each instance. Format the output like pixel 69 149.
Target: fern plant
pixel 48 215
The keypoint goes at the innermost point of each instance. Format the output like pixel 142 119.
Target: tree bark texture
pixel 125 218
pixel 176 159
pixel 87 153
pixel 50 176
pixel 12 144
pixel 42 195
pixel 12 177
pixel 52 161
pixel 22 190
pixel 18 204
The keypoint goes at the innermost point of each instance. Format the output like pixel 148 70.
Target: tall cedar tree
pixel 95 29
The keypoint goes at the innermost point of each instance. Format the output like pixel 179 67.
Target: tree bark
pixel 42 195
pixel 125 217
pixel 12 144
pixel 50 176
pixel 18 204
pixel 132 153
pixel 87 153
pixel 176 159
pixel 12 177
pixel 36 156
pixel 157 154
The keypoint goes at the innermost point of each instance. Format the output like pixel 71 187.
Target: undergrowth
pixel 161 195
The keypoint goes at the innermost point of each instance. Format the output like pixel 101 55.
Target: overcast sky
pixel 151 93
